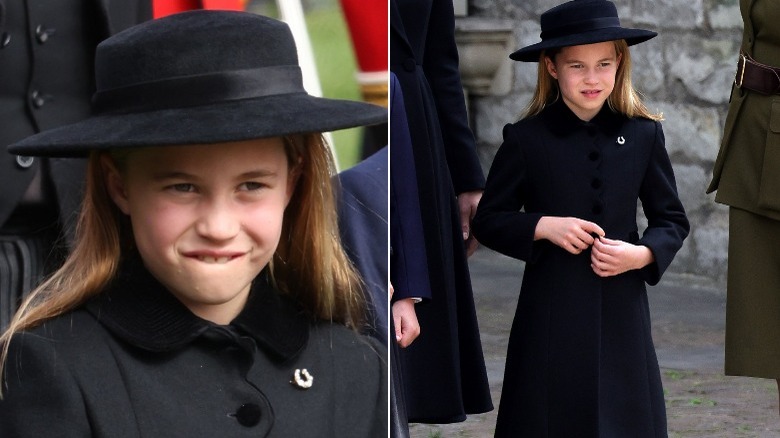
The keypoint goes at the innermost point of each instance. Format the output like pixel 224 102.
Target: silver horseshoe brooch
pixel 302 379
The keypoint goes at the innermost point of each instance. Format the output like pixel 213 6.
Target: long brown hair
pixel 309 264
pixel 624 99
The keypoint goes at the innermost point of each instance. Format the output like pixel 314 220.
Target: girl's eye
pixel 183 187
pixel 251 186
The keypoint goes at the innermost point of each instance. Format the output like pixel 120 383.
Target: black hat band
pixel 577 27
pixel 194 90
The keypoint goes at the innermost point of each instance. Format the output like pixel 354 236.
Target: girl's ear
pixel 551 67
pixel 114 183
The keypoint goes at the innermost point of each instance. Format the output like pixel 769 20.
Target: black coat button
pixel 410 65
pixel 594 155
pixel 591 131
pixel 42 34
pixel 248 414
pixel 5 40
pixel 596 183
pixel 597 209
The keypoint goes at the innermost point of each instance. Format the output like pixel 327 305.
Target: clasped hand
pixel 608 257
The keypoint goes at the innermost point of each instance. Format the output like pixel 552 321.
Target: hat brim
pixel 632 36
pixel 265 117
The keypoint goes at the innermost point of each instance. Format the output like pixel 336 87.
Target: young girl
pixel 562 196
pixel 207 293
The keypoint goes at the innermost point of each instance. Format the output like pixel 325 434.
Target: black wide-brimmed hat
pixel 580 22
pixel 195 78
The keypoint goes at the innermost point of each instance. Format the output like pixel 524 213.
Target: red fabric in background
pixel 161 8
pixel 367 22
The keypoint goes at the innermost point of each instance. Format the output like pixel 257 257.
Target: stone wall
pixel 686 73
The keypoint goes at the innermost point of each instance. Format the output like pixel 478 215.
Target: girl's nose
pixel 218 221
pixel 591 77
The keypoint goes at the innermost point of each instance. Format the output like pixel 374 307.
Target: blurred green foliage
pixel 335 60
pixel 336 65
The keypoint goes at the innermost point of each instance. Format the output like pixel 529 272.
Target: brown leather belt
pixel 753 75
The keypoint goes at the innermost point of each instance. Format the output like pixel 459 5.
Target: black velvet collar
pixel 563 122
pixel 138 309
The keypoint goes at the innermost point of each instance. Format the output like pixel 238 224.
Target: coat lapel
pixel 397 26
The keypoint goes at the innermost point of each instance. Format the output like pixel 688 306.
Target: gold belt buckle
pixel 740 76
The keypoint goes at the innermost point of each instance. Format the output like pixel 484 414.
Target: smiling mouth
pixel 215 260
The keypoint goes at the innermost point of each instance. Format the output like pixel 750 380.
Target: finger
pixel 591 227
pixel 588 236
pixel 471 246
pixel 604 261
pixel 465 220
pixel 613 242
pixel 604 250
pixel 598 264
pixel 600 272
pixel 409 335
pixel 404 342
pixel 398 332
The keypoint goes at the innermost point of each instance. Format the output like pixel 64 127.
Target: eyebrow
pixel 257 173
pixel 575 61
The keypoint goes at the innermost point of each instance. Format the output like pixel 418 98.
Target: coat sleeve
pixel 500 224
pixel 441 69
pixel 409 260
pixel 40 396
pixel 667 224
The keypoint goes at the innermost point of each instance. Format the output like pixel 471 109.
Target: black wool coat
pixel 580 360
pixel 134 362
pixel 444 370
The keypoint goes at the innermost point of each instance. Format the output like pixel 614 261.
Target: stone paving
pixel 688 316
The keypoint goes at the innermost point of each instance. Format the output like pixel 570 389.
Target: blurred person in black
pixel 444 369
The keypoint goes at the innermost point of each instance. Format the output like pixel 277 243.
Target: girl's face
pixel 586 76
pixel 206 218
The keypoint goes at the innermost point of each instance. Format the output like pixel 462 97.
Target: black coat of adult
pixel 46 80
pixel 581 360
pixel 444 369
pixel 134 362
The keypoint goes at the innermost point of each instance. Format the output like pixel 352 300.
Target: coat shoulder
pixel 354 357
pixel 645 125
pixel 68 331
pixel 525 128
pixel 345 344
pixel 68 342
